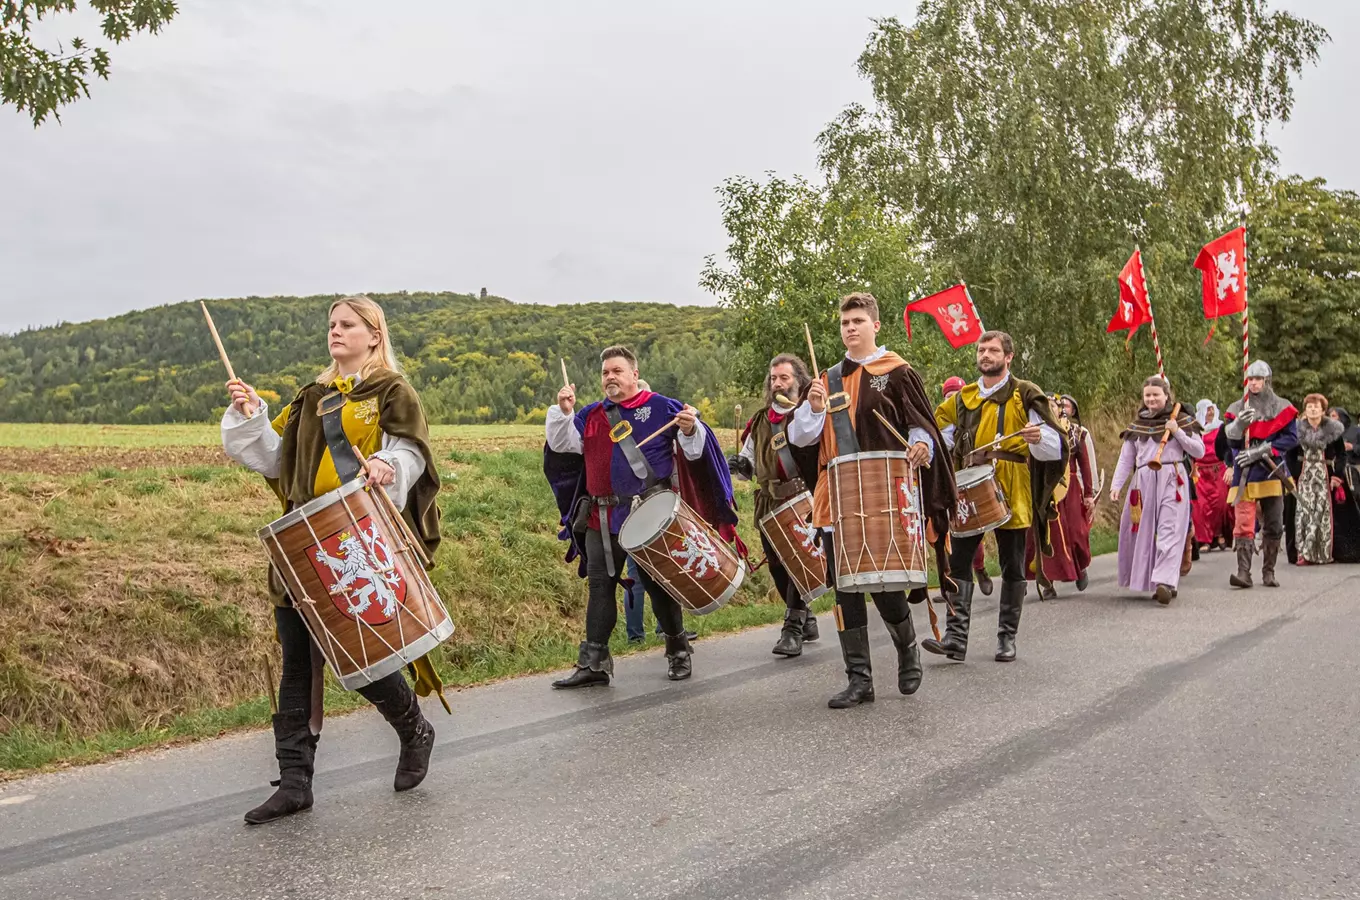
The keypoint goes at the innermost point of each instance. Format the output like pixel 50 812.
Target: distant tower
pixel 483 293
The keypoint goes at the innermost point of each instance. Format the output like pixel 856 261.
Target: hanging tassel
pixel 1212 328
pixel 1180 483
pixel 1135 508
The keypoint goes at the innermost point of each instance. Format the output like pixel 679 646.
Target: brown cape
pixel 903 402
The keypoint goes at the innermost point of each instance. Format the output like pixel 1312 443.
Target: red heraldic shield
pixel 361 573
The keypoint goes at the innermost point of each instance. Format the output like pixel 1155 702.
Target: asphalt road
pixel 1205 749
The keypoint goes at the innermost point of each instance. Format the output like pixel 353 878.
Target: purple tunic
pixel 1152 555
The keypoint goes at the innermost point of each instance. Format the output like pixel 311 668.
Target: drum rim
pixel 399 660
pixel 868 454
pixel 910 584
pixel 308 509
pixel 724 598
pixel 960 472
pixel 785 505
pixel 675 509
pixel 974 532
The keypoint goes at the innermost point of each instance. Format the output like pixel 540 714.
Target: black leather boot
pixel 908 654
pixel 594 666
pixel 955 642
pixel 1242 577
pixel 984 582
pixel 790 641
pixel 1270 551
pixel 855 650
pixel 679 666
pixel 1008 619
pixel 810 630
pixel 295 749
pixel 400 706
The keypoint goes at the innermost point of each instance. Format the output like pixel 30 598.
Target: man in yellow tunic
pixel 1029 464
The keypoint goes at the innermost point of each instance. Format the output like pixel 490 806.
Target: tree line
pixel 473 360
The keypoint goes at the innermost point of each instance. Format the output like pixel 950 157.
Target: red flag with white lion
pixel 955 313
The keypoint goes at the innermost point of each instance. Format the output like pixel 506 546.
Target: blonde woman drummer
pixel 381 415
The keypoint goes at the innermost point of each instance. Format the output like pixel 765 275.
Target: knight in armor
pixel 872 378
pixel 781 472
pixel 1029 463
pixel 360 400
pixel 1259 432
pixel 600 460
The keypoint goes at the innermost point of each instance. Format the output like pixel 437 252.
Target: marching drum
pixel 879 535
pixel 981 507
pixel 354 575
pixel 790 531
pixel 682 553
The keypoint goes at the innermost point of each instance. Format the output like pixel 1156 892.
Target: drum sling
pixel 838 403
pixel 793 482
pixel 331 410
pixel 621 433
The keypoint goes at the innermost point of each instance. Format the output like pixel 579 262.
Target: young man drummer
pixel 871 378
pixel 1029 466
pixel 304 454
pixel 598 461
pixel 781 471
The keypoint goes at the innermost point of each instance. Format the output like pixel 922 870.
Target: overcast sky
pixel 551 152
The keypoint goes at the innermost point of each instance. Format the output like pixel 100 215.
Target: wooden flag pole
pixel 1152 317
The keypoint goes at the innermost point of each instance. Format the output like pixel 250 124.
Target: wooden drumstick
pixel 660 431
pixel 387 503
pixel 897 434
pixel 739 424
pixel 999 440
pixel 231 375
pixel 1155 463
pixel 812 351
pixel 566 379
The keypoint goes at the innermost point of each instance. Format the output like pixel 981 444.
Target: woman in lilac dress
pixel 1153 526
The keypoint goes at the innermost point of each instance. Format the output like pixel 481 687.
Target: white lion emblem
pixel 363 572
pixel 642 414
pixel 958 318
pixel 696 553
pixel 806 533
pixel 1228 271
pixel 878 382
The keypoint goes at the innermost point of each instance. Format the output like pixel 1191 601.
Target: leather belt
pixel 783 490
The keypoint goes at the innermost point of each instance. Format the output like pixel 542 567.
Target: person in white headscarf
pixel 1211 514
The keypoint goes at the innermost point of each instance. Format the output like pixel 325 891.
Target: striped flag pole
pixel 1156 344
pixel 1246 304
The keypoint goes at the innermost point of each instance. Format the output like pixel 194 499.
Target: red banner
pixel 1135 310
pixel 955 313
pixel 1223 263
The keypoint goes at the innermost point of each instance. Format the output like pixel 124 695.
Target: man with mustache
pixel 598 461
pixel 1029 467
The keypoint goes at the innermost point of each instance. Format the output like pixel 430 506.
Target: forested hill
pixel 473 360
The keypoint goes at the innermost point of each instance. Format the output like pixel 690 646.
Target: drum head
pixel 649 519
pixel 971 476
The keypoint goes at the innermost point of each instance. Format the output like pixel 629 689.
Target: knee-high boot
pixel 401 708
pixel 955 642
pixel 295 749
pixel 1008 618
pixel 908 654
pixel 855 650
pixel 1270 551
pixel 1242 577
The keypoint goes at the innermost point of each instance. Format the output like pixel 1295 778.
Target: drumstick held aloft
pixel 660 431
pixel 221 351
pixel 812 351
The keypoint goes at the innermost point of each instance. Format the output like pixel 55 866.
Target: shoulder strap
pixel 780 442
pixel 621 433
pixel 331 408
pixel 838 405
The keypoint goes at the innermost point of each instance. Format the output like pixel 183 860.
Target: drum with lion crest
pixel 355 576
pixel 682 553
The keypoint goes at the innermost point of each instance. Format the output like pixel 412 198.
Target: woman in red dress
pixel 1211 514
pixel 1071 530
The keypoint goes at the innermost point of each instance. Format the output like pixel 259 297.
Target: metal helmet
pixel 1259 369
